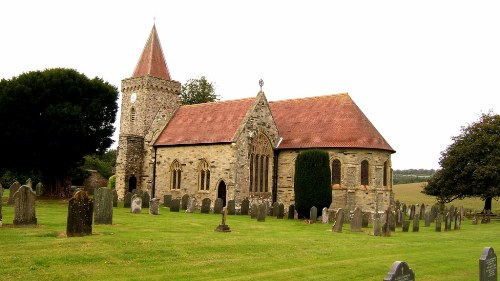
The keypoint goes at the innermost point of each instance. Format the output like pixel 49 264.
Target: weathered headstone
pixel 399 218
pixel 231 207
pixel 275 209
pixel 205 205
pixel 434 211
pixel 245 205
pixel 447 223
pixel 254 211
pixel 127 201
pixel 154 206
pixel 313 214
pixel 339 221
pixel 458 221
pixel 80 210
pixel 103 206
pixel 262 212
pixel 175 205
pixel 218 206
pixel 357 220
pixel 223 227
pixel 422 211
pixel 185 201
pixel 324 215
pixel 191 205
pixel 438 222
pixel 24 206
pixel 400 271
pixel 474 219
pixel 115 198
pixel 291 212
pixel 136 205
pixel 416 223
pixel 145 199
pixel 412 211
pixel 488 265
pixel 403 209
pixel 281 211
pixel 39 189
pixel 377 225
pixel 406 225
pixel 166 200
pixel 428 219
pixel 12 190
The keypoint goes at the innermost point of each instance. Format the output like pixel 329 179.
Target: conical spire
pixel 152 61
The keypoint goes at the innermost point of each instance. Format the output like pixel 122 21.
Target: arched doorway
pixel 132 183
pixel 221 192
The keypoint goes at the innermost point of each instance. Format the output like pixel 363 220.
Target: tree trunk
pixel 487 204
pixel 57 186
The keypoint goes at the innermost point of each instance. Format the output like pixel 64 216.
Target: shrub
pixel 112 182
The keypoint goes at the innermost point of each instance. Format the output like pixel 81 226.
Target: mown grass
pixel 179 246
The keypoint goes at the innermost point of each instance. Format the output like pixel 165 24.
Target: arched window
pixel 132 115
pixel 336 171
pixel 175 175
pixel 386 173
pixel 364 172
pixel 203 175
pixel 261 153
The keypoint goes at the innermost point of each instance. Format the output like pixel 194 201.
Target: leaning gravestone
pixel 12 190
pixel 313 214
pixel 488 265
pixel 154 206
pixel 136 206
pixel 281 211
pixel 191 205
pixel 262 212
pixel 24 206
pixel 166 200
pixel 205 205
pixel 231 207
pixel 324 215
pixel 357 220
pixel 175 205
pixel 80 209
pixel 218 206
pixel 145 199
pixel 339 221
pixel 103 206
pixel 291 212
pixel 400 271
pixel 115 198
pixel 128 200
pixel 245 205
pixel 184 202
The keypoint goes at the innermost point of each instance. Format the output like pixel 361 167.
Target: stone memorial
pixel 166 200
pixel 406 226
pixel 175 205
pixel 281 211
pixel 145 199
pixel 218 206
pixel 80 210
pixel 254 211
pixel 427 219
pixel 447 223
pixel 422 211
pixel 377 225
pixel 313 214
pixel 39 189
pixel 223 227
pixel 291 212
pixel 486 217
pixel 434 211
pixel 127 201
pixel 488 265
pixel 339 221
pixel 324 215
pixel 115 198
pixel 398 205
pixel 474 219
pixel 12 190
pixel 458 221
pixel 205 205
pixel 185 201
pixel 416 223
pixel 403 209
pixel 245 206
pixel 357 220
pixel 136 205
pixel 438 222
pixel 262 212
pixel 154 206
pixel 412 211
pixel 103 206
pixel 24 206
pixel 400 271
pixel 399 218
pixel 275 209
pixel 191 205
pixel 231 207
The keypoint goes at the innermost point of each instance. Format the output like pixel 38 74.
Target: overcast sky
pixel 419 70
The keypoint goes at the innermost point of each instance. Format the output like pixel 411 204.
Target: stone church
pixel 243 148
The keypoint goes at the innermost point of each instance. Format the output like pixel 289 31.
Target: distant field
pixel 411 194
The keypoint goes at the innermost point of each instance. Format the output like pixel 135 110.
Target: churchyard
pixel 184 246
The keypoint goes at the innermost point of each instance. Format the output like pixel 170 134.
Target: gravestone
pixel 447 223
pixel 245 205
pixel 24 206
pixel 313 214
pixel 175 205
pixel 80 210
pixel 115 198
pixel 154 206
pixel 392 221
pixel 416 223
pixel 191 205
pixel 399 218
pixel 434 211
pixel 400 271
pixel 281 211
pixel 12 190
pixel 438 222
pixel 223 227
pixel 339 221
pixel 39 189
pixel 254 211
pixel 231 207
pixel 145 199
pixel 458 221
pixel 366 219
pixel 324 215
pixel 357 220
pixel 291 212
pixel 185 201
pixel 412 211
pixel 474 218
pixel 428 219
pixel 488 265
pixel 422 211
pixel 218 206
pixel 377 225
pixel 136 205
pixel 403 209
pixel 127 201
pixel 166 200
pixel 103 206
pixel 406 225
pixel 205 205
pixel 262 212
pixel 275 209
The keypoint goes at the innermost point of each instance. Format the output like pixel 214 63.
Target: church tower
pixel 149 99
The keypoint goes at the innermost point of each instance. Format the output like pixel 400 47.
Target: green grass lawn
pixel 180 246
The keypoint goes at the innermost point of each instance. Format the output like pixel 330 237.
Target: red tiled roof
pixel 214 122
pixel 326 121
pixel 152 62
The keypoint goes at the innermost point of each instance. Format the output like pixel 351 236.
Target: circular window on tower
pixel 133 97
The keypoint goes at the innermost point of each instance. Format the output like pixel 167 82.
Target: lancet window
pixel 175 175
pixel 203 175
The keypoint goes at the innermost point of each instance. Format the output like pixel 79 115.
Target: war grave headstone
pixel 12 190
pixel 80 210
pixel 115 198
pixel 136 205
pixel 231 207
pixel 281 211
pixel 488 270
pixel 127 200
pixel 145 199
pixel 313 214
pixel 175 205
pixel 254 211
pixel 191 205
pixel 245 205
pixel 438 222
pixel 223 227
pixel 416 223
pixel 205 205
pixel 103 206
pixel 339 221
pixel 166 200
pixel 357 220
pixel 275 209
pixel 400 271
pixel 184 202
pixel 324 215
pixel 24 206
pixel 218 206
pixel 154 206
pixel 291 212
pixel 262 212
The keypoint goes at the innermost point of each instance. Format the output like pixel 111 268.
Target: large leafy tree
pixel 470 166
pixel 51 119
pixel 199 90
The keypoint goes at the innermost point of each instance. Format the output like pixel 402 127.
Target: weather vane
pixel 261 83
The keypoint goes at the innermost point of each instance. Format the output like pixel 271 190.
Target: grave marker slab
pixel 400 271
pixel 24 206
pixel 231 207
pixel 262 212
pixel 488 265
pixel 281 211
pixel 205 205
pixel 184 202
pixel 357 220
pixel 154 206
pixel 254 211
pixel 39 189
pixel 275 209
pixel 406 226
pixel 145 199
pixel 175 205
pixel 127 200
pixel 218 206
pixel 447 223
pixel 324 215
pixel 80 210
pixel 166 200
pixel 339 221
pixel 103 206
pixel 313 214
pixel 245 205
pixel 416 223
pixel 191 205
pixel 136 205
pixel 223 227
pixel 438 222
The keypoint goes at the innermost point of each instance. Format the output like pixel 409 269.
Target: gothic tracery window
pixel 175 175
pixel 260 156
pixel 203 175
